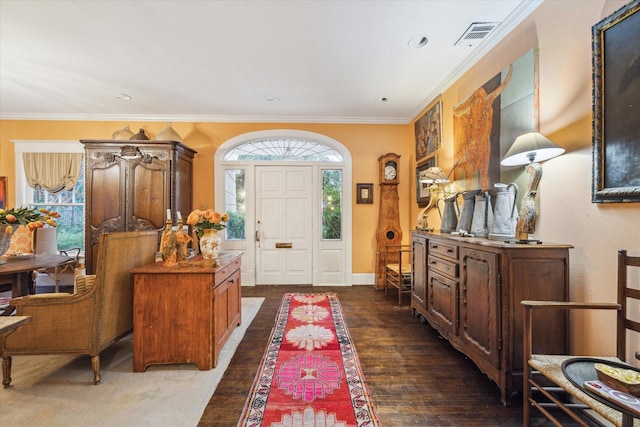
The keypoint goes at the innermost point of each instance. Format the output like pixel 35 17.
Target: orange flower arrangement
pixel 32 218
pixel 207 219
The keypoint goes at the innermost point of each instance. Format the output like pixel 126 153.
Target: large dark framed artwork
pixel 423 196
pixel 428 132
pixel 487 122
pixel 616 106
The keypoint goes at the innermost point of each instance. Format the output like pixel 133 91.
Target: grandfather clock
pixel 389 232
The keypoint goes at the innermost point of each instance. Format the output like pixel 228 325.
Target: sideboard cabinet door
pixel 419 274
pixel 480 305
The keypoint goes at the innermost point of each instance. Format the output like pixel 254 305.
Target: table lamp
pixel 530 149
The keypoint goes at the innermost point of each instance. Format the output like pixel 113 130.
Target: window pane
pixel 234 203
pixel 332 204
pixel 70 227
pixel 284 150
pixel 70 205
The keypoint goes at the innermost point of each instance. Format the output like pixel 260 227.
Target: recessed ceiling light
pixel 123 96
pixel 384 99
pixel 417 42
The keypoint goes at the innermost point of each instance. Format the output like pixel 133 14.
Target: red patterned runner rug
pixel 310 375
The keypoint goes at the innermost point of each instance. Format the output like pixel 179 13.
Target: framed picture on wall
pixel 616 102
pixel 3 192
pixel 422 188
pixel 365 193
pixel 428 132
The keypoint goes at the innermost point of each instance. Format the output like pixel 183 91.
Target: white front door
pixel 284 238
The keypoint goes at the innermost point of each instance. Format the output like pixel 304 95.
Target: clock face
pixel 389 171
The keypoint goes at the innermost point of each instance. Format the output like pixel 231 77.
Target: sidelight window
pixel 235 203
pixel 332 204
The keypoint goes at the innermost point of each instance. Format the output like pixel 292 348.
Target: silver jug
pixel 466 213
pixel 450 214
pixel 506 214
pixel 482 215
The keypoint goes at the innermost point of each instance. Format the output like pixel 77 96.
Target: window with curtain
pixel 57 183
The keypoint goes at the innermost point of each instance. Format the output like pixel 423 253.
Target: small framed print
pixel 365 193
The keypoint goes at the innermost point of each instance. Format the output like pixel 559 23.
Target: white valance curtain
pixel 52 171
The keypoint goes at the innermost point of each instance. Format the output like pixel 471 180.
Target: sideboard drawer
pixel 443 266
pixel 448 250
pixel 225 271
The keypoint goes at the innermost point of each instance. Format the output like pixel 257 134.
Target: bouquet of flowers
pixel 32 218
pixel 207 219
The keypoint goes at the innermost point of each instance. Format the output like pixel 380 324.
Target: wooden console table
pixel 469 289
pixel 185 313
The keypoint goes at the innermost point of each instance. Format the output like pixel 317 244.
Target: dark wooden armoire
pixel 130 185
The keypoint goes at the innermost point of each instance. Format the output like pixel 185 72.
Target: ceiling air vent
pixel 476 33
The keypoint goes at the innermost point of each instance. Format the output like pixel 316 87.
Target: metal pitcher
pixel 449 214
pixel 506 214
pixel 482 215
pixel 466 214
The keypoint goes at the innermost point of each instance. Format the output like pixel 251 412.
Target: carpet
pixel 310 374
pixel 58 390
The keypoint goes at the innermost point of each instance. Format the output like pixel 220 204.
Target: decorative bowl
pixel 625 380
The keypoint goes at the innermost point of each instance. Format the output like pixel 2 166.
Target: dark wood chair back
pixel 627 297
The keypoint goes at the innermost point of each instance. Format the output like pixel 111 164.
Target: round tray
pixel 580 369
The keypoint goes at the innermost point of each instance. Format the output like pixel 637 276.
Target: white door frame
pixel 324 252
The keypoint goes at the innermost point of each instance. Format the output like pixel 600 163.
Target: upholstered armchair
pixel 89 320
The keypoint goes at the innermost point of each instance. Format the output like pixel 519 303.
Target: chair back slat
pixel 632 324
pixel 633 293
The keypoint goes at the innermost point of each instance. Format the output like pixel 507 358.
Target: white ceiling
pixel 204 61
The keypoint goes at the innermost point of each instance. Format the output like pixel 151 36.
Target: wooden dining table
pixel 18 271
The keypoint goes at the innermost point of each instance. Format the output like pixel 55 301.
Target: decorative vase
pixel 210 244
pixel 168 134
pixel 124 133
pixel 5 240
pixel 140 136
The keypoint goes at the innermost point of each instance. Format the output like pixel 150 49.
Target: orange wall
pixel 365 142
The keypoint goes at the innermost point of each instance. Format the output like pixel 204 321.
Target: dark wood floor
pixel 415 377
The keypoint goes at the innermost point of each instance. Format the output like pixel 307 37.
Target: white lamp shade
pixel 529 147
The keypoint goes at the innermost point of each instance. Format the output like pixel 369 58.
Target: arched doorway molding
pixel 328 257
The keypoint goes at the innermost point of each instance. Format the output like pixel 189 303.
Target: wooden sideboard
pixel 185 313
pixel 469 290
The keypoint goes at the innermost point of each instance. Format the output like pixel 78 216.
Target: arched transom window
pixel 284 149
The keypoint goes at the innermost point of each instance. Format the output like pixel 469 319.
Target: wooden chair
pixel 397 269
pixel 46 242
pixel 545 384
